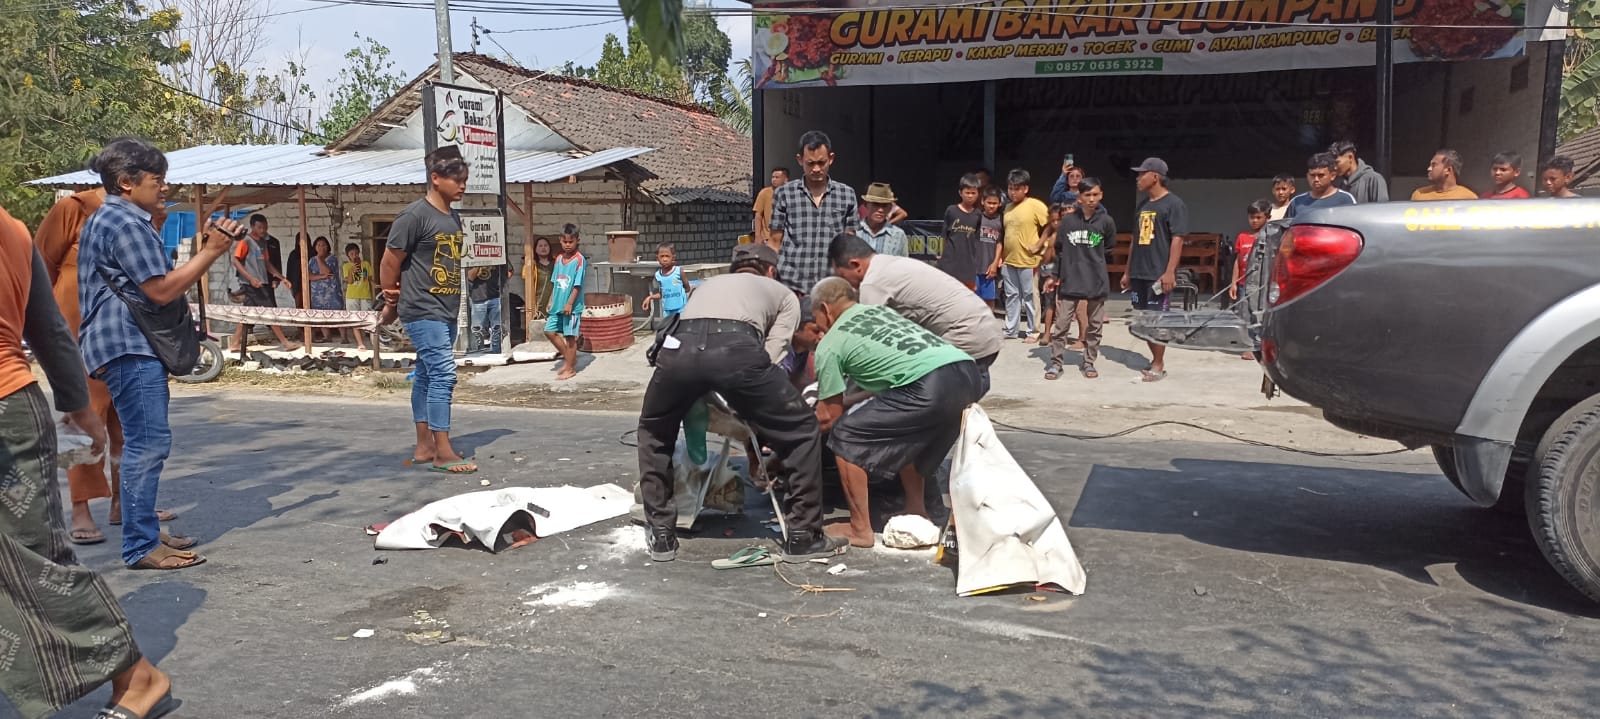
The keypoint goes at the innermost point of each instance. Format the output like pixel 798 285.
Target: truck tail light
pixel 1311 255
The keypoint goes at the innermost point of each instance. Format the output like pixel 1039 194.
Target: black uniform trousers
pixel 730 358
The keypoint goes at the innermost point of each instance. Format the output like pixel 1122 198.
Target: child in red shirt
pixel 1257 214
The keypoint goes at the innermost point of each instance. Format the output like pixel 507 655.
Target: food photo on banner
pixel 849 43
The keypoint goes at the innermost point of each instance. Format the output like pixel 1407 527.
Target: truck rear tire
pixel 1512 500
pixel 1562 499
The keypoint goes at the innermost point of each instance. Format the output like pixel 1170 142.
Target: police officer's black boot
pixel 802 545
pixel 663 544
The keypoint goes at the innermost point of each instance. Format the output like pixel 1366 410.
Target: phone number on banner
pixel 1121 64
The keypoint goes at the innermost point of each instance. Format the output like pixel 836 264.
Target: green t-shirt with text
pixel 878 349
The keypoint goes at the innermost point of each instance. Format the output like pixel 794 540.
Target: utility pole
pixel 441 21
pixel 1383 125
pixel 474 34
pixel 447 75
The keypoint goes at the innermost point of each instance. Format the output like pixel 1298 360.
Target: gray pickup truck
pixel 1471 328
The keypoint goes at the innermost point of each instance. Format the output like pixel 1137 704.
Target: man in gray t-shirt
pixel 923 294
pixel 421 280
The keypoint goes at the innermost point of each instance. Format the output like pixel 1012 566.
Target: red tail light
pixel 1310 256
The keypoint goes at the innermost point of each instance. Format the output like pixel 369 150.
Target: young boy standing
pixel 1506 169
pixel 1283 190
pixel 357 287
pixel 991 233
pixel 671 289
pixel 960 257
pixel 1027 229
pixel 566 302
pixel 1557 177
pixel 1047 273
pixel 1083 239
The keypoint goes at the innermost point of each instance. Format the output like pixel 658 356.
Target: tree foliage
pixel 76 75
pixel 366 80
pixel 1580 85
pixel 699 74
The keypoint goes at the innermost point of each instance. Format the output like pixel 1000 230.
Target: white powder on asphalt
pixel 623 544
pixel 576 594
pixel 399 686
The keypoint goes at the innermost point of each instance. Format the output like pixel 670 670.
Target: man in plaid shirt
pixel 808 213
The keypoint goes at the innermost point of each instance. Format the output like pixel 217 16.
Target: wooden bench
pixel 1202 252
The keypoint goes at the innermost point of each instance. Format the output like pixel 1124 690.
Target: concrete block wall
pixel 701 231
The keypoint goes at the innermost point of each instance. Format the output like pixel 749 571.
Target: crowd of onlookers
pixel 1007 245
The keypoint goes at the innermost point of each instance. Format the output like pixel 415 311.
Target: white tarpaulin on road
pixel 1008 534
pixel 486 516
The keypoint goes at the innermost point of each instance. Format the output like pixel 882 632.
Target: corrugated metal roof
pixel 291 165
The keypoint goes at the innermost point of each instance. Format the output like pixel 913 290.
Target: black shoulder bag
pixel 171 330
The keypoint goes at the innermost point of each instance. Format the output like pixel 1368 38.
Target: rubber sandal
pixel 86 536
pixel 1154 376
pixel 1089 371
pixel 163 706
pixel 1054 371
pixel 451 467
pixel 747 557
pixel 156 559
pixel 178 541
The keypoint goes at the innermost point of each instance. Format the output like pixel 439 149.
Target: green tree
pixel 634 68
pixel 659 24
pixel 1580 85
pixel 706 51
pixel 75 75
pixel 367 80
pixel 730 98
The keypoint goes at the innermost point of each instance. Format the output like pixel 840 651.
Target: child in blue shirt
pixel 566 302
pixel 671 290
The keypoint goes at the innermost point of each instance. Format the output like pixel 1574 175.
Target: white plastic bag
pixel 74 448
pixel 1007 532
pixel 713 488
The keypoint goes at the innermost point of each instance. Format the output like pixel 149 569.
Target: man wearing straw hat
pixel 885 238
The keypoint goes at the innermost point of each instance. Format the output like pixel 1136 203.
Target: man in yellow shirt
pixel 1027 232
pixel 1443 171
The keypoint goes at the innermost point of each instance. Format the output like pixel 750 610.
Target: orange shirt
pixel 16 277
pixel 763 212
pixel 57 241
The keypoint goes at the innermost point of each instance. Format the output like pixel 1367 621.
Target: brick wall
pixel 701 231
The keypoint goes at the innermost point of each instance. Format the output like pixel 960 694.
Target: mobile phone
pixel 1068 159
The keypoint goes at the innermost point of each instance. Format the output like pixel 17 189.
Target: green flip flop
pixel 747 557
pixel 451 467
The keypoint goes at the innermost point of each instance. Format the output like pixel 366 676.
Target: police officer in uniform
pixel 728 339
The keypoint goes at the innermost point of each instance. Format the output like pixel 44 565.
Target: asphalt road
pixel 1224 580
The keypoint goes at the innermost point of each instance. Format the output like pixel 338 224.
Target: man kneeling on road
pixel 923 294
pixel 729 335
pixel 922 385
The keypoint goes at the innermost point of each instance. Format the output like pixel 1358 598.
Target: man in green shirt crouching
pixel 921 385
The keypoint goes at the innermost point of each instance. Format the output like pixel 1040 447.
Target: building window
pixel 1519 75
pixel 1465 106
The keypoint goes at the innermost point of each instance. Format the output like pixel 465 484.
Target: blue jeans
pixel 435 381
pixel 486 325
pixel 139 392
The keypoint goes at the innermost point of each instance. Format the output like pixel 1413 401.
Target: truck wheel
pixel 1512 500
pixel 1562 497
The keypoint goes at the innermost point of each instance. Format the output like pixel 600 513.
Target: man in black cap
pixel 729 337
pixel 1157 245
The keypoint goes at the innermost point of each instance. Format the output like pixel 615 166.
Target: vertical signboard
pixel 472 119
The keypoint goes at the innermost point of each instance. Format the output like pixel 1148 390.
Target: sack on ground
pixel 1007 531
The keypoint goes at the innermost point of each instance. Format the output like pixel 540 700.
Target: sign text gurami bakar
pixel 472 112
pixel 1057 19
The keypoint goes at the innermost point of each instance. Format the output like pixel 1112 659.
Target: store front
pixel 1227 104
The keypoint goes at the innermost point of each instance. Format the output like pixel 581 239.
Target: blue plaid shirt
pixel 807 228
pixel 119 240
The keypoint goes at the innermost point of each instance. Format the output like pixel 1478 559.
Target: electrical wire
pixel 622 439
pixel 487 31
pixel 1191 425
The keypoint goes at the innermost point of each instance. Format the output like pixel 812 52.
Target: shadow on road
pixel 1400 522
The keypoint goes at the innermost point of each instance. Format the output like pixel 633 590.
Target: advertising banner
pixel 469 119
pixel 486 240
pixel 923 41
